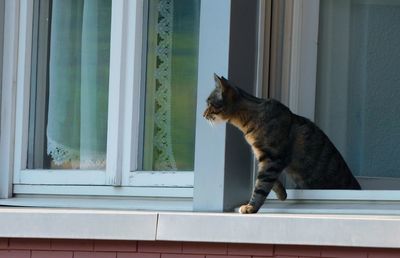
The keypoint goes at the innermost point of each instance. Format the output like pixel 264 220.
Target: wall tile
pixel 297 250
pixel 228 256
pixel 250 249
pixel 159 247
pixel 3 243
pixel 29 244
pixel 51 254
pixel 138 255
pixel 119 246
pixel 344 252
pixel 95 254
pixel 204 248
pixel 383 253
pixel 15 254
pixel 74 245
pixel 182 256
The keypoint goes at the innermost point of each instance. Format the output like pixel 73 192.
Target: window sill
pixel 77 224
pixel 294 229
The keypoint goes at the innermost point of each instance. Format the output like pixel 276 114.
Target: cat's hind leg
pixel 279 190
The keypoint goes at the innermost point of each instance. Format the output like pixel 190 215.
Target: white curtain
pixel 78 83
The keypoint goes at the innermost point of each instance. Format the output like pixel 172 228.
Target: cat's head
pixel 221 102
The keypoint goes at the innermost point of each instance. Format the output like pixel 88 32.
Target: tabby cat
pixel 280 141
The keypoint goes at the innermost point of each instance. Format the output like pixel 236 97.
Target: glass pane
pixel 358 83
pixel 171 80
pixel 69 84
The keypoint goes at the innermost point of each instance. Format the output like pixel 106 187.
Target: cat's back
pixel 316 163
pixel 268 129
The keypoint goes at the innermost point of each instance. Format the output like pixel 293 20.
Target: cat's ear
pixel 218 83
pixel 221 83
pixel 216 78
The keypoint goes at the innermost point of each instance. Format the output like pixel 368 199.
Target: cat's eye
pixel 216 105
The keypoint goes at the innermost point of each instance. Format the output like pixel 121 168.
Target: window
pixel 108 101
pixel 172 57
pixel 357 95
pixel 69 117
pixel 63 127
pixel 68 104
pixel 347 85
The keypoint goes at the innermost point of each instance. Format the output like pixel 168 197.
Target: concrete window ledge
pixel 293 229
pixel 77 224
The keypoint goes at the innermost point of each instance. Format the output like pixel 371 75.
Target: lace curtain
pixel 172 52
pixel 78 83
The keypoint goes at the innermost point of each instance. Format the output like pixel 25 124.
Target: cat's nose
pixel 205 114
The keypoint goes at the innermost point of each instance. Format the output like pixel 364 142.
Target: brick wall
pixel 46 248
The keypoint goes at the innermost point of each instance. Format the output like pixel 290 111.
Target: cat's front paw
pixel 246 209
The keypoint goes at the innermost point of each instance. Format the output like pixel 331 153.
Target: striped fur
pixel 281 141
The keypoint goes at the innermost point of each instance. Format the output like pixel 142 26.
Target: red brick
pixel 3 243
pixel 159 247
pixel 51 254
pixel 227 256
pixel 72 245
pixel 29 244
pixel 182 256
pixel 119 246
pixel 15 254
pixel 298 250
pixel 343 252
pixel 383 253
pixel 95 254
pixel 137 255
pixel 285 256
pixel 204 248
pixel 250 249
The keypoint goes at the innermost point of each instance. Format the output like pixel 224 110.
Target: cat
pixel 280 140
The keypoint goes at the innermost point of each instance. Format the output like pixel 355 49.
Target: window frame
pixel 126 58
pixel 10 48
pixel 299 65
pixel 27 176
pixel 2 5
pixel 123 115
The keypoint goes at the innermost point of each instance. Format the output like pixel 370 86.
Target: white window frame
pixel 93 177
pixel 301 68
pixel 123 117
pixel 10 48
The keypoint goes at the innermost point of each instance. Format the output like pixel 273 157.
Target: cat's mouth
pixel 212 117
pixel 209 116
